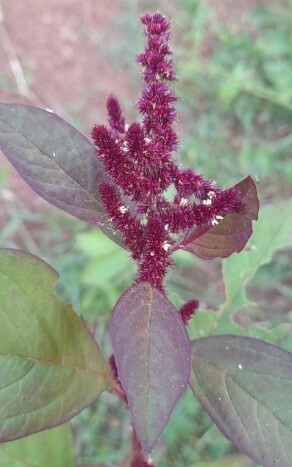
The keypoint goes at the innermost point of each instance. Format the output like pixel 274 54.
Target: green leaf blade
pixel 272 232
pixel 46 449
pixel 246 387
pixel 50 366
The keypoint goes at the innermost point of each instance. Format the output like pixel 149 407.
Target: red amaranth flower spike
pixel 138 158
pixel 115 116
pixel 188 310
pixel 129 226
pixel 155 259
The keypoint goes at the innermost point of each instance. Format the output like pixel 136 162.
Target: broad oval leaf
pixel 46 449
pixel 56 161
pixel 153 357
pixel 230 235
pixel 50 365
pixel 245 385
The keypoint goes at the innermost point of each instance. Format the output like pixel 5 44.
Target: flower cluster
pixel 188 309
pixel 139 160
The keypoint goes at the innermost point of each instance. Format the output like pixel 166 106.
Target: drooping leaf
pixel 49 448
pixel 230 235
pixel 245 385
pixel 152 353
pixel 57 162
pixel 50 366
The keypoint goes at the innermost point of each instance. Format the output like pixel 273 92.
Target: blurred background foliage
pixel 235 106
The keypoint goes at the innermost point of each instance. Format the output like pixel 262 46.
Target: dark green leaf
pixel 153 358
pixel 245 385
pixel 50 366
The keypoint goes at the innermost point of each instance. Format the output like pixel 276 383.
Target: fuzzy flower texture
pixel 139 159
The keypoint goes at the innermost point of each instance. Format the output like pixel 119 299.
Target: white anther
pixel 166 226
pixel 123 209
pixel 219 218
pixel 152 253
pixel 126 127
pixel 207 202
pixel 211 194
pixel 183 202
pixel 214 222
pixel 147 140
pixel 166 246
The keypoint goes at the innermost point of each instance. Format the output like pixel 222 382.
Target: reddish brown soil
pixel 54 44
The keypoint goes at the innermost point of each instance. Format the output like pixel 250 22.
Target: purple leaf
pixel 57 162
pixel 245 385
pixel 230 235
pixel 153 357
